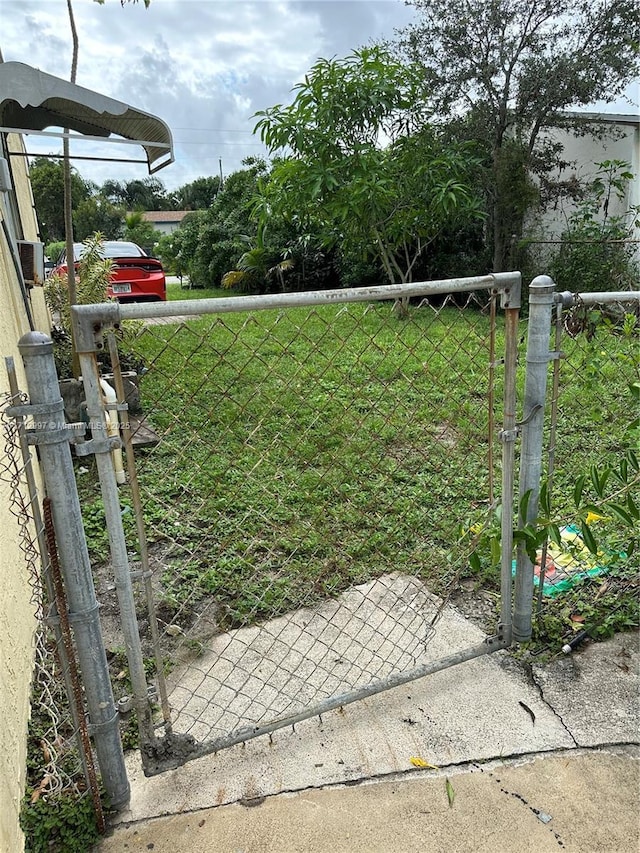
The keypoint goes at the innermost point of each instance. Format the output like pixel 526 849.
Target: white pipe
pixel 113 429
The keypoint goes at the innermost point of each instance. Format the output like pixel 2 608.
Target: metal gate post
pixel 51 435
pixel 508 437
pixel 101 446
pixel 541 300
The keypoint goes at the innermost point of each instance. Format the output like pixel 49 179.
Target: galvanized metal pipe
pixel 541 301
pixel 117 543
pixel 153 766
pixel 193 307
pixel 140 527
pixel 52 438
pixel 508 436
pixel 569 299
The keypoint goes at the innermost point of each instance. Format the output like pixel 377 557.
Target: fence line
pixel 256 418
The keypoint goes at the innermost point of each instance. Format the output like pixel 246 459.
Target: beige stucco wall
pixel 16 612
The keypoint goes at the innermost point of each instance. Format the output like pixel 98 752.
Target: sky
pixel 203 66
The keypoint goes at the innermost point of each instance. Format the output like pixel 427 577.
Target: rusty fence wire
pixel 305 482
pixel 589 566
pixel 60 760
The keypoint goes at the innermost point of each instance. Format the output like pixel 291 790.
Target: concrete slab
pixel 595 690
pixel 575 802
pixel 475 711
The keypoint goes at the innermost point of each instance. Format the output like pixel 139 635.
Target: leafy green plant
pixel 59 823
pixel 386 203
pixel 596 252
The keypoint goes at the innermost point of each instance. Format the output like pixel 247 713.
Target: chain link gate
pixel 289 535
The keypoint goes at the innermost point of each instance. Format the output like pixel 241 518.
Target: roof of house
pixel 165 215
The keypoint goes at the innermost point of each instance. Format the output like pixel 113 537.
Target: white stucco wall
pixel 17 621
pixel 585 152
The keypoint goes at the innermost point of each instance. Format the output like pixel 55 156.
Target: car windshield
pixel 112 249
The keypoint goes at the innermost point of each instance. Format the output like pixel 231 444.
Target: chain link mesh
pixel 311 473
pixel 56 762
pixel 590 577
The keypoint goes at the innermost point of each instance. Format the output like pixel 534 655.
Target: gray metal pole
pixel 508 438
pixel 52 438
pixel 541 301
pixel 102 447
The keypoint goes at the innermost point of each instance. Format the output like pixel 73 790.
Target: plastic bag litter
pixel 566 563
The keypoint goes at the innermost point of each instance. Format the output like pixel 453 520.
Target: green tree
pixel 386 202
pixel 138 230
pixel 97 213
pixel 213 240
pixel 47 184
pixel 597 252
pixel 259 269
pixel 511 68
pixel 138 194
pixel 197 195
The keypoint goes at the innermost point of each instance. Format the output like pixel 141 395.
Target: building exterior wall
pixel 165 221
pixel 17 619
pixel 584 153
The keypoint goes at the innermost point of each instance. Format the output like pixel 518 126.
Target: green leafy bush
pixel 596 253
pixel 61 823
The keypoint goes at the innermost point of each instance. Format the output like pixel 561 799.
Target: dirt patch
pixel 479 606
pixel 183 627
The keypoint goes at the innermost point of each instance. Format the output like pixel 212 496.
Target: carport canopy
pixel 31 101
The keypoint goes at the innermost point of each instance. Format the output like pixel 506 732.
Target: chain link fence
pixel 305 480
pixel 59 755
pixel 586 575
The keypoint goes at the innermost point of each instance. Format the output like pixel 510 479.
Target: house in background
pixel 165 221
pixel 619 140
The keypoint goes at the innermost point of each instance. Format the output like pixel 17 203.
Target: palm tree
pixel 258 267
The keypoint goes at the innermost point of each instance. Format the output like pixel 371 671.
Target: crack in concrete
pixel 540 690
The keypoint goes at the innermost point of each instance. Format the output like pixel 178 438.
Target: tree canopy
pixel 507 69
pixel 355 175
pixel 47 184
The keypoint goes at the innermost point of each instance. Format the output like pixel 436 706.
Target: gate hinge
pixel 496 639
pixel 98 445
pixel 66 432
pixel 506 435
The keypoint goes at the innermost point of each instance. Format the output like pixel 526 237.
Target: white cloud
pixel 203 66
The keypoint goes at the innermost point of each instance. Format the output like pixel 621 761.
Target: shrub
pixel 596 253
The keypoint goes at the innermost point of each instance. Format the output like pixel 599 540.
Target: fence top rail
pixel 569 299
pixel 88 320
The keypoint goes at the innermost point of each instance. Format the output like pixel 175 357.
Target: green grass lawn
pixel 175 291
pixel 307 450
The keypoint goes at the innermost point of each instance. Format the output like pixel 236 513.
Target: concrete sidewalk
pixel 583 802
pixel 555 743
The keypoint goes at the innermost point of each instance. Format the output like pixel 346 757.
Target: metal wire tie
pixel 138 575
pixel 106 724
pixel 117 407
pixel 80 616
pixel 550 356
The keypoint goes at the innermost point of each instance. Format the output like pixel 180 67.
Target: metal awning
pixel 31 101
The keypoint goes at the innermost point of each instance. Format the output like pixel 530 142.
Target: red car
pixel 136 277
